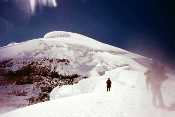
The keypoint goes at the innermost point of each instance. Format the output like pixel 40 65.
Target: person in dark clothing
pixel 108 83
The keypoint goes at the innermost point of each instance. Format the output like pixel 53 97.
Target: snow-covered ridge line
pixel 75 38
pixel 59 38
pixel 86 64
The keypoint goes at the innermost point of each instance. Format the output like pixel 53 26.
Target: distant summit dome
pixel 58 34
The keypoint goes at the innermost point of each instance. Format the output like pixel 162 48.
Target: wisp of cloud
pixel 29 6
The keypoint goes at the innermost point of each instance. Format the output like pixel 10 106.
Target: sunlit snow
pixel 129 96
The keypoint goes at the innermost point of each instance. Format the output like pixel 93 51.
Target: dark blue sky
pixel 146 27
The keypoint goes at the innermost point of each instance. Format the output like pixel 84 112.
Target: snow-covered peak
pixel 84 53
pixel 58 34
pixel 71 53
pixel 79 39
pixel 56 41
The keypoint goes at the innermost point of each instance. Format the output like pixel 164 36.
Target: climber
pixel 108 83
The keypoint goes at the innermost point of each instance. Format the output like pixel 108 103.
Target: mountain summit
pixel 68 72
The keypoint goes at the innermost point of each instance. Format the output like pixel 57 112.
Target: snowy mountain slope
pixel 83 52
pixel 55 40
pixel 57 55
pixel 128 98
pixel 97 61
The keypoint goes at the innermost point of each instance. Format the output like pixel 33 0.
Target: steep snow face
pixel 54 42
pixel 86 57
pixel 81 40
pixel 83 52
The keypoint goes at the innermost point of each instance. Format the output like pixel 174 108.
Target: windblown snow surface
pixel 129 96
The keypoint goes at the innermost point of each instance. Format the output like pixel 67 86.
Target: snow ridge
pixel 129 96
